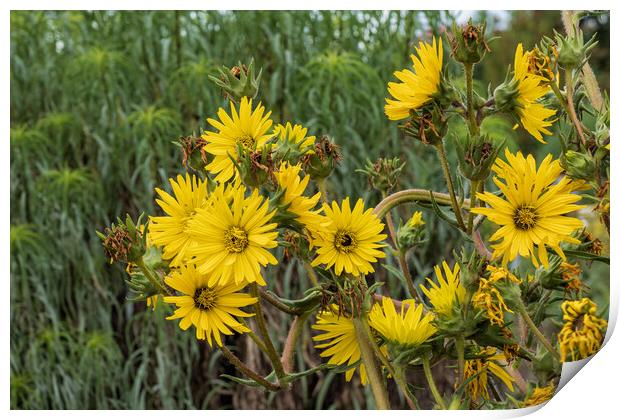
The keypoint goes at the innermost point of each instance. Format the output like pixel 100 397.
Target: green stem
pixel 311 274
pixel 446 171
pixel 245 369
pixel 410 196
pixel 262 327
pixel 472 204
pixel 273 300
pixel 471 118
pixel 543 340
pixel 431 382
pixel 571 106
pixel 151 277
pixel 459 343
pixel 377 385
pixel 402 259
pixel 321 184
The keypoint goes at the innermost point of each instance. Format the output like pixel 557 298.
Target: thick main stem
pixel 377 385
pixel 291 341
pixel 446 171
pixel 471 117
pixel 431 382
pixel 243 368
pixel 459 342
pixel 543 340
pixel 472 203
pixel 410 196
pixel 262 327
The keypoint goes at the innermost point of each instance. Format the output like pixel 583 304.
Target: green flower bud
pixel 572 51
pixel 506 95
pixel 238 81
pixel 256 167
pixel 411 233
pixel 468 43
pixel 325 158
pixel 194 155
pixel 578 165
pixel 123 241
pixel 476 155
pixel 429 126
pixel 383 174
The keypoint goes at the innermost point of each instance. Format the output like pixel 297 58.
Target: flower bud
pixel 430 126
pixel 123 242
pixel 321 163
pixel 411 233
pixel 572 51
pixel 383 174
pixel 238 81
pixel 476 155
pixel 256 167
pixel 506 94
pixel 468 43
pixel 578 165
pixel 194 155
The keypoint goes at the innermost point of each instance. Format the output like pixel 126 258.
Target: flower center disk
pixel 525 217
pixel 246 141
pixel 345 241
pixel 205 298
pixel 236 239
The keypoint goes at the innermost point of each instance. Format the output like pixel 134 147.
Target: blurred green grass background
pixel 97 99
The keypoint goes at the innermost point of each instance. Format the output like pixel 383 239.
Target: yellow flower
pixel 489 298
pixel 232 239
pixel 343 349
pixel 209 308
pixel 246 128
pixel 418 87
pixel 540 395
pixel 416 220
pixel 407 327
pixel 532 88
pixel 299 205
pixel 487 362
pixel 170 231
pixel 583 332
pixel 296 134
pixel 532 214
pixel 351 241
pixel 446 293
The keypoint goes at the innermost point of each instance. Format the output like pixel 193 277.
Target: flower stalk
pixel 441 152
pixel 541 338
pixel 431 382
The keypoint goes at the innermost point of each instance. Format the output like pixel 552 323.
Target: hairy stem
pixel 377 385
pixel 459 343
pixel 273 300
pixel 151 277
pixel 245 369
pixel 543 340
pixel 571 106
pixel 262 327
pixel 291 341
pixel 446 171
pixel 471 117
pixel 472 203
pixel 431 382
pixel 410 196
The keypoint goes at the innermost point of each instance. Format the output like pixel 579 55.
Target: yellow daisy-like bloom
pixel 583 332
pixel 209 308
pixel 532 214
pixel 489 298
pixel 293 186
pixel 407 327
pixel 417 87
pixel 532 87
pixel 447 292
pixel 416 220
pixel 246 128
pixel 296 134
pixel 351 241
pixel 343 348
pixel 232 239
pixel 540 395
pixel 170 231
pixel 489 362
